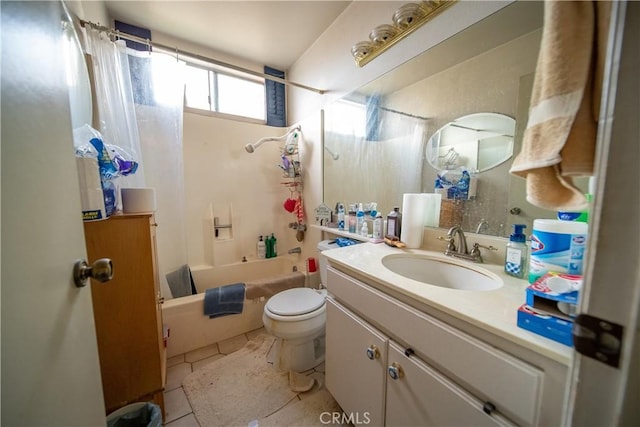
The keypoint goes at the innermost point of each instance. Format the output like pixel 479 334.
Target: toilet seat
pixel 295 302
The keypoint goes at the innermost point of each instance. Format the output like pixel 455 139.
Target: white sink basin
pixel 445 273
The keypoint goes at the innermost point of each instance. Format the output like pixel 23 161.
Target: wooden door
pixel 126 309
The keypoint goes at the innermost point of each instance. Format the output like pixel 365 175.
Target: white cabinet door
pixel 418 395
pixel 355 365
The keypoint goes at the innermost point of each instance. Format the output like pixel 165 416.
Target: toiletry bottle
pixel 268 246
pixel 364 229
pixel 340 217
pixel 261 249
pixel 394 223
pixel 352 218
pixel 377 226
pixel 274 246
pixel 515 261
pixel 359 218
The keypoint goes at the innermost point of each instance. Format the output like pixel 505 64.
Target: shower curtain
pixel 392 161
pixel 140 104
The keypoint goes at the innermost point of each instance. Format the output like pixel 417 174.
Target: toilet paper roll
pixel 413 214
pixel 432 209
pixel 419 210
pixel 138 200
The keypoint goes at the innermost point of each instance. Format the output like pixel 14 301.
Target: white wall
pixel 223 180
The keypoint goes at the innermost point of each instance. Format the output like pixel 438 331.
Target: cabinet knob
pixel 395 371
pixel 373 352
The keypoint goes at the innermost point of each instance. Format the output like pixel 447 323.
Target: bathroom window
pixel 220 90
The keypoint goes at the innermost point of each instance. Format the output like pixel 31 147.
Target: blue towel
pixel 224 300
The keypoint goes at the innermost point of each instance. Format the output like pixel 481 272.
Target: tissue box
pixel 548 326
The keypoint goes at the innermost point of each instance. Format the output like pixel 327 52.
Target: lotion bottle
pixel 515 261
pixel 261 249
pixel 377 226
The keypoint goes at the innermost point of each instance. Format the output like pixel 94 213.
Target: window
pixel 224 91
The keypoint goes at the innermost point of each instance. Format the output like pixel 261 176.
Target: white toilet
pixel 296 317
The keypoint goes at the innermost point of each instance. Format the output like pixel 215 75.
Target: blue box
pixel 546 301
pixel 543 324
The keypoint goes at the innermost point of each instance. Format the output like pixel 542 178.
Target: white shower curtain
pixel 140 102
pixel 378 171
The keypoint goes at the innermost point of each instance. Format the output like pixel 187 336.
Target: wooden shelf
pixel 346 234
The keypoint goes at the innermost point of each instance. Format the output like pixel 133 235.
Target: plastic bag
pixel 112 162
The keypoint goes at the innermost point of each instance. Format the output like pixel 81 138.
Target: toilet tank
pixel 323 246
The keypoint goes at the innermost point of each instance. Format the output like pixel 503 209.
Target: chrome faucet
pixel 462 241
pixel 295 250
pixel 482 225
pixel 461 250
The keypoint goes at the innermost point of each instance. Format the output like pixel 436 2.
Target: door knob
pixel 101 270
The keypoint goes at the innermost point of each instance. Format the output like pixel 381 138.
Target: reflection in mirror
pixel 380 131
pixel 477 143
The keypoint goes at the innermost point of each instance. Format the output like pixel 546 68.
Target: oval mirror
pixel 477 142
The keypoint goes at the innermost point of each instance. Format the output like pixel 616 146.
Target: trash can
pixel 136 415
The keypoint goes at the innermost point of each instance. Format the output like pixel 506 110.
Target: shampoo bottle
pixel 261 249
pixel 268 246
pixel 274 246
pixel 352 218
pixel 516 252
pixel 360 218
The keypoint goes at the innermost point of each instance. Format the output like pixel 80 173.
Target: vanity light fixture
pixel 406 19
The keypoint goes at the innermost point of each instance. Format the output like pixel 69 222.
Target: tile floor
pixel 178 412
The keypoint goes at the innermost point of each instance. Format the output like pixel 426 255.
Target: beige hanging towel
pixel 560 138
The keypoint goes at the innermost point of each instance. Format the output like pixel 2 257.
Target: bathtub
pixel 191 329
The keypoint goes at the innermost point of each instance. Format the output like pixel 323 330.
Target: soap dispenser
pixel 516 252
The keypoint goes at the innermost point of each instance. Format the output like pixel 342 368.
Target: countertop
pixel 494 311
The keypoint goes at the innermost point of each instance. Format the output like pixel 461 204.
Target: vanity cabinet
pixel 434 373
pixel 355 364
pixel 127 311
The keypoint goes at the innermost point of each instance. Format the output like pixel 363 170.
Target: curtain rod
pixel 117 33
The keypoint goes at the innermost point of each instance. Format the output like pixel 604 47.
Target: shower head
pixel 291 136
pixel 334 156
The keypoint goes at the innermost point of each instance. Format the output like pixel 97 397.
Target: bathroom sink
pixel 444 273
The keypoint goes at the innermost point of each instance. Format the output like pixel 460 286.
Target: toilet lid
pixel 294 302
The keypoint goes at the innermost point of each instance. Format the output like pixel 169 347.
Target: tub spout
pixel 295 250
